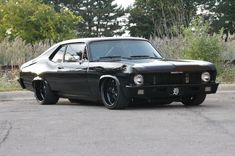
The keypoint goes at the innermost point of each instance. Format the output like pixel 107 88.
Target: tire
pixel 194 100
pixel 112 96
pixel 43 93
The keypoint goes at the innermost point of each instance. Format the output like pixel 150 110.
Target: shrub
pixel 8 81
pixel 228 74
pixel 201 45
pixel 196 43
pixel 169 48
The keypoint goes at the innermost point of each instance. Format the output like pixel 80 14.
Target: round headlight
pixel 138 79
pixel 206 77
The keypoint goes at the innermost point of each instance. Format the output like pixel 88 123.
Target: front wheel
pixel 43 93
pixel 112 96
pixel 193 100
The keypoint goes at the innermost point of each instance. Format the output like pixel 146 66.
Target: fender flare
pixel 37 79
pixel 40 79
pixel 108 76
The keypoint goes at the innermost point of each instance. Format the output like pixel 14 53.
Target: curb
pixel 226 87
pixel 16 95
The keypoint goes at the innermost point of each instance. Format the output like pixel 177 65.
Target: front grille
pixel 172 78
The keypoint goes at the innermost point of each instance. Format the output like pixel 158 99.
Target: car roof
pixel 87 40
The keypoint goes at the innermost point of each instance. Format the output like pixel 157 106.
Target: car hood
pixel 152 65
pixel 166 65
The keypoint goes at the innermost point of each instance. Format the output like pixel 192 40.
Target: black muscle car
pixel 115 71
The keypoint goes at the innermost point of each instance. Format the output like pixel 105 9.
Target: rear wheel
pixel 193 100
pixel 43 93
pixel 112 95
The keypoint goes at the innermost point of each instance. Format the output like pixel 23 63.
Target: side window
pixel 74 52
pixel 58 57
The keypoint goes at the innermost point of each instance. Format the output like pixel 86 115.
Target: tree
pixel 223 16
pixel 34 21
pixel 160 17
pixel 100 17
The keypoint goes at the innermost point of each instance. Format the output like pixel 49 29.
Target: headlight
pixel 206 77
pixel 138 79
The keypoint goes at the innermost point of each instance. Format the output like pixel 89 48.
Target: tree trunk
pixel 164 19
pixel 226 37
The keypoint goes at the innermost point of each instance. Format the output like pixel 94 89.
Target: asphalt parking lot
pixel 65 129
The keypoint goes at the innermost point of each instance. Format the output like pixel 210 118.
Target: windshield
pixel 122 49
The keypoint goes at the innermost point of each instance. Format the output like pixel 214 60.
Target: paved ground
pixel 29 129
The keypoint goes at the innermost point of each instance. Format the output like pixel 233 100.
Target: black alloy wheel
pixel 111 92
pixel 112 96
pixel 41 91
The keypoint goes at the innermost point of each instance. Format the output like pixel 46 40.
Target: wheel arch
pixel 37 80
pixel 105 77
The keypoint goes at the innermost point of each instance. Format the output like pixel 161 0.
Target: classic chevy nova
pixel 115 71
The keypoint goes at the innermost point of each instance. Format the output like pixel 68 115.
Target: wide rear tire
pixel 43 93
pixel 112 95
pixel 193 100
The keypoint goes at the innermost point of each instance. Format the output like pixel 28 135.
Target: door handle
pixel 60 67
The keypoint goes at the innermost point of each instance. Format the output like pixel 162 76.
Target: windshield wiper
pixel 143 56
pixel 110 57
pixel 113 57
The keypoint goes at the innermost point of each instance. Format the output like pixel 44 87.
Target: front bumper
pixel 170 91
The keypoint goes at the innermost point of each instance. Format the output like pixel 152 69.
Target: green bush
pixel 201 45
pixel 197 44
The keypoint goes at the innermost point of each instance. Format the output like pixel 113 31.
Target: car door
pixel 54 76
pixel 74 70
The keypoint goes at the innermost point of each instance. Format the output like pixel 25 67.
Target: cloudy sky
pixel 124 3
